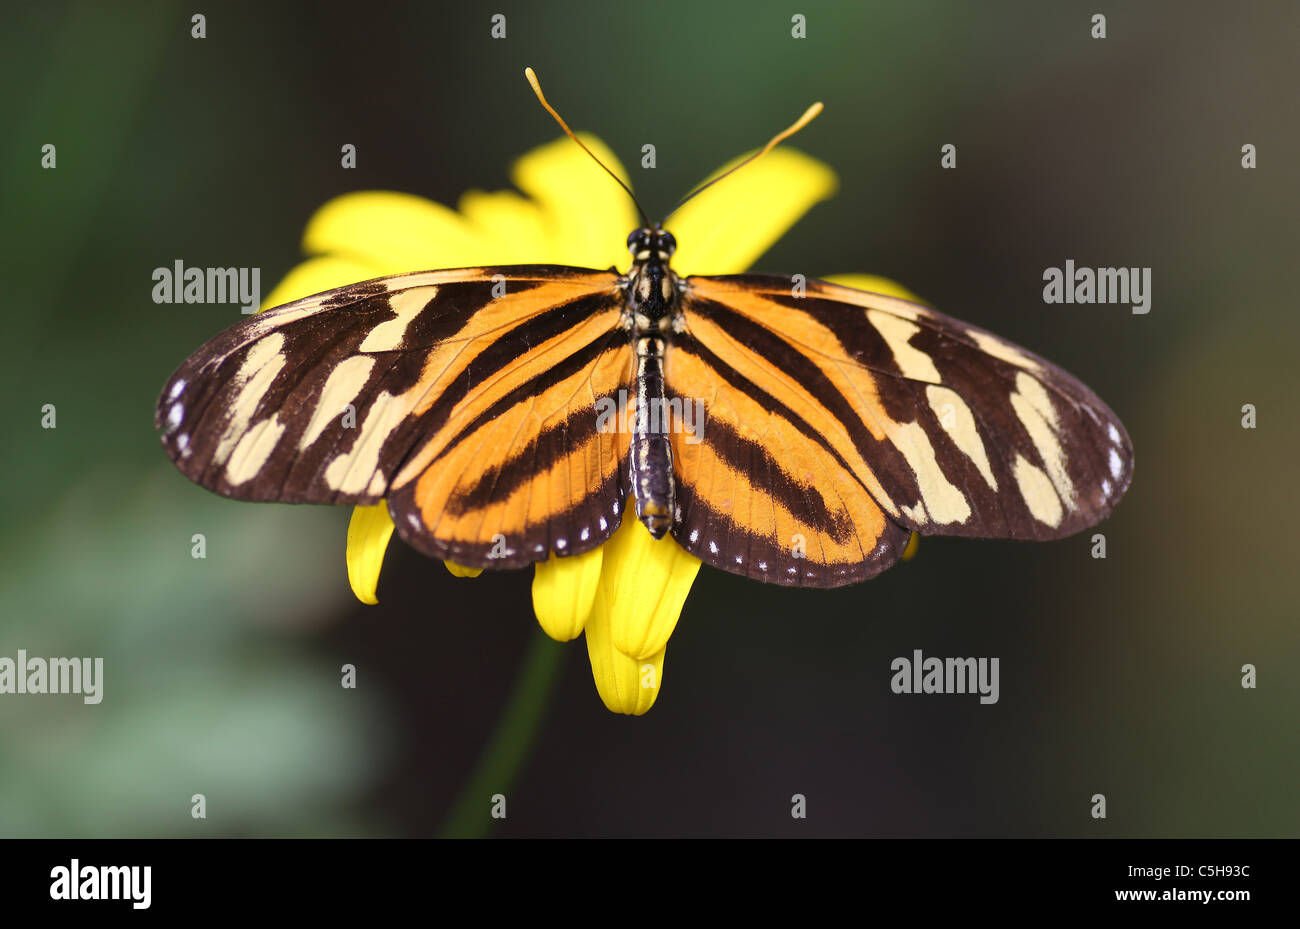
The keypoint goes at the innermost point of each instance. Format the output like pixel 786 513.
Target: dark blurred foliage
pixel 1119 677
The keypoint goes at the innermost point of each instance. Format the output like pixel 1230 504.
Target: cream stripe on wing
pixel 261 365
pixel 911 361
pixel 1038 493
pixel 353 471
pixel 1037 414
pixel 940 497
pixel 407 304
pixel 958 421
pixel 1004 351
pixel 253 450
pixel 341 388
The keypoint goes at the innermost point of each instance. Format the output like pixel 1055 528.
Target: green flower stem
pixel 510 745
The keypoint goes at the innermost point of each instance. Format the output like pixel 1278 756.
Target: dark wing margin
pixel 883 406
pixel 362 393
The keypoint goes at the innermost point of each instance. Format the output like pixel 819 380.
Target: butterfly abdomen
pixel 652 455
pixel 653 302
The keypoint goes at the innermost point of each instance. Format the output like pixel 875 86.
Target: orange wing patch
pixel 520 468
pixel 759 494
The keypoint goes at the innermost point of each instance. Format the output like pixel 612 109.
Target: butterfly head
pixel 649 243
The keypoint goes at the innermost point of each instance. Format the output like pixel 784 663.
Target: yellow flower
pixel 627 594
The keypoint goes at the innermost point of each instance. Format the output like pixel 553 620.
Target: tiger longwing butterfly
pixel 835 421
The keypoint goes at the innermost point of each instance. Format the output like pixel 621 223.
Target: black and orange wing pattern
pixel 838 421
pixel 471 410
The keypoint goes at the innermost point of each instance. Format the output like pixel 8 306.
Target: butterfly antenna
pixel 537 89
pixel 808 116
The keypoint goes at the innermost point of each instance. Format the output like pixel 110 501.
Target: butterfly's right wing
pixel 839 420
pixel 472 410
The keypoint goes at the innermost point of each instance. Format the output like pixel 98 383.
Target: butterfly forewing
pixel 838 419
pixel 466 397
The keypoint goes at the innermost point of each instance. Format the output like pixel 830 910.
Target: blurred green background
pixel 1118 676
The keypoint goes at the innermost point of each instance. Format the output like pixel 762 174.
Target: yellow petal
pixel 913 543
pixel 459 570
pixel 877 285
pixel 577 216
pixel 514 224
pixel 368 534
pixel 587 216
pixel 643 586
pixel 725 229
pixel 394 232
pixel 626 685
pixel 563 592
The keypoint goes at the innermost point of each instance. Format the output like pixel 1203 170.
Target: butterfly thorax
pixel 652 314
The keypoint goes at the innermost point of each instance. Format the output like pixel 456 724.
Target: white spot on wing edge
pixel 176 389
pixel 1116 464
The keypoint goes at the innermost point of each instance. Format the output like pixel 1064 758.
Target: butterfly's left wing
pixel 466 398
pixel 838 420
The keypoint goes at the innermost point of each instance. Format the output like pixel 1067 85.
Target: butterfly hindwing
pixel 849 418
pixel 437 390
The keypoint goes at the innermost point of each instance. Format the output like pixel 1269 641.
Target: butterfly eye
pixel 667 243
pixel 638 241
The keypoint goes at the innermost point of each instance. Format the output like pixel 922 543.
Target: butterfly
pixel 794 432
